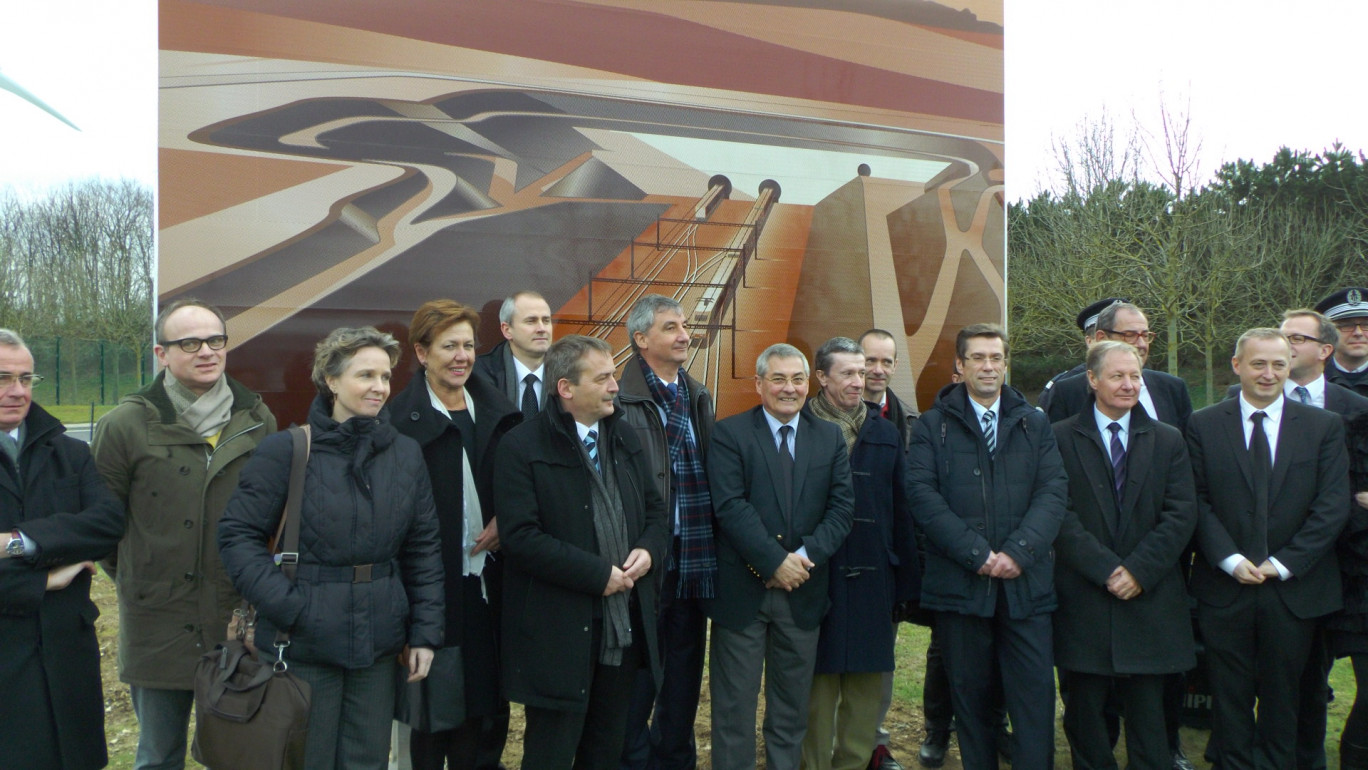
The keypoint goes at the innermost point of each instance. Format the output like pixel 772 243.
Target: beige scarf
pixel 849 422
pixel 205 415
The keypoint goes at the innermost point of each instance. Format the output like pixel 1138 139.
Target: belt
pixel 361 573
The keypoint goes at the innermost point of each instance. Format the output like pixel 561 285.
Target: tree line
pixel 1205 261
pixel 76 263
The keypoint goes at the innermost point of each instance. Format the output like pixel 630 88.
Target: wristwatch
pixel 15 547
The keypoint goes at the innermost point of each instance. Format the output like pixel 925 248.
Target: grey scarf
pixel 610 528
pixel 205 415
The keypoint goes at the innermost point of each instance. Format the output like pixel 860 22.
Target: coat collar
pixel 154 395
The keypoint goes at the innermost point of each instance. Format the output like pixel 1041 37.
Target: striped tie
pixel 1303 395
pixel 591 445
pixel 1118 461
pixel 989 431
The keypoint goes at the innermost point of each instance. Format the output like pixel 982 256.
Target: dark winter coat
pixel 175 600
pixel 48 637
pixel 1095 632
pixel 367 501
pixel 640 411
pixel 877 565
pixel 969 504
pixel 553 574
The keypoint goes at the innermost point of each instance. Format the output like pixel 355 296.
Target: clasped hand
pixel 793 571
pixel 1000 565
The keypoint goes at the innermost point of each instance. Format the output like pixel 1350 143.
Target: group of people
pixel 545 526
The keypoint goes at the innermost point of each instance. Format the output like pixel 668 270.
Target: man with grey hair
pixel 1272 479
pixel 59 517
pixel 673 416
pixel 582 528
pixel 172 453
pixel 1164 396
pixel 515 365
pixel 874 571
pixel 780 484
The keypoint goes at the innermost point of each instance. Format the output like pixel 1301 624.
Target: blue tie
pixel 1118 461
pixel 591 445
pixel 989 431
pixel 1303 395
pixel 674 391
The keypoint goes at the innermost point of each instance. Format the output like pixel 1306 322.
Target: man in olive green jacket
pixel 172 453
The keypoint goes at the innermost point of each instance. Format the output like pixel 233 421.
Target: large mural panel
pixel 787 170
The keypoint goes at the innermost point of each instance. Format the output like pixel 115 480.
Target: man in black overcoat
pixel 60 517
pixel 582 526
pixel 1122 622
pixel 1272 479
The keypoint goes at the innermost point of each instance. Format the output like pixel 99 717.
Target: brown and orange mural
pixel 786 170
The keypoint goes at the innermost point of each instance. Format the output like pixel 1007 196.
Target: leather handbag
pixel 250 712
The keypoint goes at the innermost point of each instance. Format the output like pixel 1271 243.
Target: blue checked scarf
pixel 697 547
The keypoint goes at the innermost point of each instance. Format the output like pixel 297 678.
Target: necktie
pixel 529 399
pixel 10 447
pixel 885 410
pixel 591 446
pixel 786 467
pixel 1261 463
pixel 989 432
pixel 673 388
pixel 1118 461
pixel 1303 395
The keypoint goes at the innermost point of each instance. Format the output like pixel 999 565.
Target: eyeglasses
pixel 26 381
pixel 192 344
pixel 979 359
pixel 1130 338
pixel 777 381
pixel 1297 339
pixel 1349 327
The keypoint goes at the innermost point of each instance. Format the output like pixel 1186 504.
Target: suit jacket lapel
pixel 1234 428
pixel 1283 457
pixel 1096 461
pixel 770 451
pixel 1138 453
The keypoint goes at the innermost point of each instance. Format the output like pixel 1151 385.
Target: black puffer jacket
pixel 969 503
pixel 367 501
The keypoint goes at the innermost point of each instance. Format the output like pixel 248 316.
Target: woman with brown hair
pixel 458 420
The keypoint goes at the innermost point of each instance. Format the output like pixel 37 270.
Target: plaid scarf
pixel 697 547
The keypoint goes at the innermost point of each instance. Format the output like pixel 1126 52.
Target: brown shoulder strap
pixel 287 536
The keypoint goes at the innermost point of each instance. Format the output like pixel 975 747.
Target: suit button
pixel 184 471
pixel 586 629
pixel 189 524
pixel 1021 543
pixel 974 552
pixel 978 526
pixel 189 627
pixel 414 416
pixel 976 471
pixel 778 537
pixel 189 576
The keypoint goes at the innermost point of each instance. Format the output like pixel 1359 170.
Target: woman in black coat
pixel 458 420
pixel 369 582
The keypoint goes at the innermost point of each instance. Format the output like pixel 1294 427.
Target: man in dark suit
pixel 1347 309
pixel 1163 396
pixel 515 364
pixel 780 482
pixel 1272 496
pixel 58 517
pixel 1086 321
pixel 1122 622
pixel 582 526
pixel 988 489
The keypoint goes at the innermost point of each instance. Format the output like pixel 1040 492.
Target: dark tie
pixel 591 446
pixel 786 468
pixel 1118 461
pixel 529 399
pixel 989 432
pixel 10 448
pixel 1261 463
pixel 1303 395
pixel 674 391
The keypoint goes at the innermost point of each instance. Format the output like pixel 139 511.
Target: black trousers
pixel 1311 709
pixel 590 739
pixel 1256 650
pixel 1023 652
pixel 667 743
pixel 1141 704
pixel 936 706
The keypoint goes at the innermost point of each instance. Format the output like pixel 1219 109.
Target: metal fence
pixel 83 371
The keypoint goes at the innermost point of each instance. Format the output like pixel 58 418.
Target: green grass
pixel 76 413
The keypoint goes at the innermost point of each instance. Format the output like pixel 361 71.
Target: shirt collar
pixel 1273 410
pixel 1103 421
pixel 584 429
pixel 775 424
pixel 979 409
pixel 522 371
pixel 1315 387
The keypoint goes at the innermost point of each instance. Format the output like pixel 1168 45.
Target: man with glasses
pixel 1164 396
pixel 1347 309
pixel 172 453
pixel 1086 321
pixel 781 489
pixel 987 486
pixel 58 517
